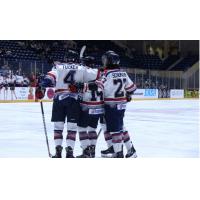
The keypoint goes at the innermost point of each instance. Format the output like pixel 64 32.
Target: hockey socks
pixel 84 139
pixel 127 140
pixel 108 138
pixel 58 137
pixel 71 138
pixel 92 137
pixel 117 141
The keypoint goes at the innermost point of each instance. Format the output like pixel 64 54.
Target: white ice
pixel 158 128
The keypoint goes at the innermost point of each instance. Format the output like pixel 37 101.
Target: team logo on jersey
pixel 50 93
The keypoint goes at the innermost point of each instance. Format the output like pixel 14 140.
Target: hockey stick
pixel 82 51
pixel 45 128
pixel 99 133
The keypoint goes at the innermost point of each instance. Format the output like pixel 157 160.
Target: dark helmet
pixel 110 58
pixel 72 56
pixel 89 61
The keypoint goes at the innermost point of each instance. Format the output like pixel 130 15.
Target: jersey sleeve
pixel 130 86
pixel 52 74
pixel 90 75
pixel 50 79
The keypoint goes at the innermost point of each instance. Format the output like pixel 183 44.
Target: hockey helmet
pixel 110 58
pixel 72 56
pixel 89 61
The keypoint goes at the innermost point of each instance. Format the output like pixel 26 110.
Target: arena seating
pixel 185 63
pixel 171 59
pixel 43 51
pixel 146 61
pixel 13 51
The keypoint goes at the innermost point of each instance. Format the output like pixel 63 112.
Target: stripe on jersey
pixel 115 99
pixel 52 75
pixel 130 87
pixel 61 90
pixel 92 103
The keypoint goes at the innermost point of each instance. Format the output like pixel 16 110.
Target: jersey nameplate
pixel 118 74
pixel 72 66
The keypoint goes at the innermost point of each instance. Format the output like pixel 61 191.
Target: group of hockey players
pixel 9 82
pixel 85 96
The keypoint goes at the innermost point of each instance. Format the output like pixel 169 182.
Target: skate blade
pixel 106 155
pixel 133 156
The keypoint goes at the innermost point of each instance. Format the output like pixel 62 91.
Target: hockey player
pixel 5 85
pixel 66 99
pixel 1 84
pixel 19 80
pixel 117 85
pixel 26 81
pixel 91 110
pixel 12 83
pixel 131 152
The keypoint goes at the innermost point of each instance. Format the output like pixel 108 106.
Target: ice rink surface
pixel 158 128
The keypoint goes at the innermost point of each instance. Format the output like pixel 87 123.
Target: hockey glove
pixel 77 87
pixel 128 96
pixel 40 92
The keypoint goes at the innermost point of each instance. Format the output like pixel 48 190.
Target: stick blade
pixel 82 51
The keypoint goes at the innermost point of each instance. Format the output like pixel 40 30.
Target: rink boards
pixel 31 101
pixel 27 94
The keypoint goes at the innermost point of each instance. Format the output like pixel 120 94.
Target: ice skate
pixel 92 151
pixel 131 153
pixel 69 152
pixel 86 153
pixel 58 152
pixel 108 153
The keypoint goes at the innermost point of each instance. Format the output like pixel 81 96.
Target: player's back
pixel 93 98
pixel 69 73
pixel 116 83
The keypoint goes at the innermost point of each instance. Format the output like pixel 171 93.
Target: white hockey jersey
pixel 64 74
pixel 93 99
pixel 19 80
pixel 11 80
pixel 5 82
pixel 116 84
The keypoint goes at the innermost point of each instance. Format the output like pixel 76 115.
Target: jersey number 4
pixel 69 78
pixel 119 82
